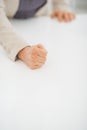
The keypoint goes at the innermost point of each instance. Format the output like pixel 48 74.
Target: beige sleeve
pixel 64 5
pixel 9 39
pixel 43 11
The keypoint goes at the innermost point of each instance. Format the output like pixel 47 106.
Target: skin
pixel 35 56
pixel 63 16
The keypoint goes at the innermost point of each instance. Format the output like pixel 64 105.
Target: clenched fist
pixel 34 56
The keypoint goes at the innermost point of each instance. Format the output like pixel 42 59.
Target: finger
pixel 72 16
pixel 40 46
pixel 60 16
pixel 36 66
pixel 41 52
pixel 38 58
pixel 53 15
pixel 41 61
pixel 42 55
pixel 66 17
pixel 39 64
pixel 34 61
pixel 34 50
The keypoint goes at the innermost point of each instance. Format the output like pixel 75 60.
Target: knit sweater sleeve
pixel 65 5
pixel 9 39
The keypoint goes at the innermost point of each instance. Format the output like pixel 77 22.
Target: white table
pixel 55 96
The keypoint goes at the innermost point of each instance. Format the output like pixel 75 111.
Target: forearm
pixel 9 39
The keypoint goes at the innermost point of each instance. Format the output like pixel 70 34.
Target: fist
pixel 34 56
pixel 63 16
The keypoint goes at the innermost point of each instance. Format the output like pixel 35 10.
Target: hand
pixel 34 56
pixel 63 16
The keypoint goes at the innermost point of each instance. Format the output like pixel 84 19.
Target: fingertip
pixel 52 15
pixel 60 16
pixel 40 46
pixel 72 16
pixel 60 19
pixel 66 17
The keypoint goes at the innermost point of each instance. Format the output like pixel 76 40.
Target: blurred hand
pixel 63 16
pixel 34 56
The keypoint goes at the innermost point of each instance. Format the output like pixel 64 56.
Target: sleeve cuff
pixel 14 52
pixel 64 7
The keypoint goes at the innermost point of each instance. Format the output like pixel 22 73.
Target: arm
pixel 15 46
pixel 63 10
pixel 9 39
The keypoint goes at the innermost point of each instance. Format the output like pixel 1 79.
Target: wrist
pixel 23 52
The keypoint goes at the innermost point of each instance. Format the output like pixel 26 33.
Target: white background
pixel 55 96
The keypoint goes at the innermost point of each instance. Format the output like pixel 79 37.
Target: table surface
pixel 55 96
